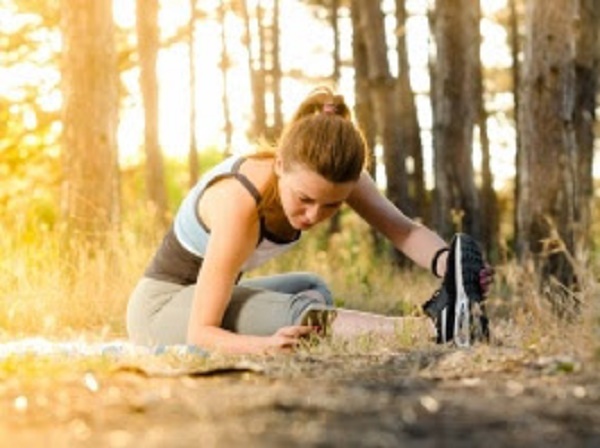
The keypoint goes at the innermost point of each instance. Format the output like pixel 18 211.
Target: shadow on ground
pixel 482 397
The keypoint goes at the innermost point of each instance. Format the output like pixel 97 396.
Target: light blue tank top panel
pixel 191 232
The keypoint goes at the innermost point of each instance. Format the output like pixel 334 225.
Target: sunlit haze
pixel 306 43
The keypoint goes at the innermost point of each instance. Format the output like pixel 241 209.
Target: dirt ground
pixel 435 397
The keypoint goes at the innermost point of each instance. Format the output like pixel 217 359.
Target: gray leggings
pixel 158 312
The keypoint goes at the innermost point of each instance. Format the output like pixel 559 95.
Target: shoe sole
pixel 462 313
pixel 467 288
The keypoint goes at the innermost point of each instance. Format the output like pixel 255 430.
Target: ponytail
pixel 322 137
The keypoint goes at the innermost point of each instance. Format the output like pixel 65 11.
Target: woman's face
pixel 306 197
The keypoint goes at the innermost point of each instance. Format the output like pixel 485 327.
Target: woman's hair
pixel 322 137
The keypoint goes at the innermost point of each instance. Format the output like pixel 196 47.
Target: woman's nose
pixel 313 213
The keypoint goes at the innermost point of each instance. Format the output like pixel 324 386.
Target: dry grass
pixel 43 294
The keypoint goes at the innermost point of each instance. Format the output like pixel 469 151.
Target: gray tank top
pixel 179 257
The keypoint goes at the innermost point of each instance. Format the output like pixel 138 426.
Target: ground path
pixel 481 397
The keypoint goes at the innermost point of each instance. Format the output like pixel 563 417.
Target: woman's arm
pixel 415 240
pixel 230 212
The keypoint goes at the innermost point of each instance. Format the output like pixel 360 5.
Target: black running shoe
pixel 457 307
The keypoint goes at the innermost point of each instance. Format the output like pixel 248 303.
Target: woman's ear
pixel 278 166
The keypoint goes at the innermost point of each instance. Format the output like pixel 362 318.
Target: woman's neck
pixel 270 208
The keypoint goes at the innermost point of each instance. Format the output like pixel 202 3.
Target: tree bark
pixel 148 43
pixel 407 115
pixel 515 39
pixel 548 158
pixel 335 223
pixel 276 73
pixel 228 126
pixel 381 86
pixel 193 162
pixel 90 194
pixel 490 225
pixel 587 63
pixel 363 105
pixel 255 130
pixel 455 114
pixel 260 111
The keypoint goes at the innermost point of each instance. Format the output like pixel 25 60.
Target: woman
pixel 247 210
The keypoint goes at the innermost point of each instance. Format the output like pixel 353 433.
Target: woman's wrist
pixel 440 254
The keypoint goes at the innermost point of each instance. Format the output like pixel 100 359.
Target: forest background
pixel 481 117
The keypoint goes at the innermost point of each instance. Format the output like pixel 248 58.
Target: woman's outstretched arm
pixel 415 240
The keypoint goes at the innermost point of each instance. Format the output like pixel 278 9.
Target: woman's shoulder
pixel 258 170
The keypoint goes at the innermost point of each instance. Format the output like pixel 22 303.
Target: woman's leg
pixel 158 312
pixel 348 323
pixel 293 283
pixel 351 323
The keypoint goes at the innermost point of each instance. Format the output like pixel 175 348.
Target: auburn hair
pixel 321 137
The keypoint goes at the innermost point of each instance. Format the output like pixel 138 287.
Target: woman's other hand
pixel 288 338
pixel 486 278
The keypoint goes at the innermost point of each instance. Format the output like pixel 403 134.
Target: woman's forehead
pixel 311 184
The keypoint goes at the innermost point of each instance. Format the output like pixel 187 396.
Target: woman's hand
pixel 486 279
pixel 288 338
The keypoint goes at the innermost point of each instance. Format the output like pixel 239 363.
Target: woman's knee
pixel 292 283
pixel 318 289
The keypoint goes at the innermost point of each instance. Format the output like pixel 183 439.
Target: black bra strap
pixel 235 170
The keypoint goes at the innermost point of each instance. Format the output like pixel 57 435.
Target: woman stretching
pixel 247 210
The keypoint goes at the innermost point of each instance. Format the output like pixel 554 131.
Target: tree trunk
pixel 90 192
pixel 515 51
pixel 257 111
pixel 363 105
pixel 407 115
pixel 490 225
pixel 381 86
pixel 193 162
pixel 548 158
pixel 228 127
pixel 148 41
pixel 260 111
pixel 276 73
pixel 586 71
pixel 335 27
pixel 456 34
pixel 335 221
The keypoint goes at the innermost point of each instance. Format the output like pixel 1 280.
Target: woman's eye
pixel 305 200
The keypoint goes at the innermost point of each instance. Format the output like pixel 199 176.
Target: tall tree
pixel 275 72
pixel 256 86
pixel 193 162
pixel 334 8
pixel 148 44
pixel 371 26
pixel 490 224
pixel 363 105
pixel 455 93
pixel 407 115
pixel 548 158
pixel 258 72
pixel 515 48
pixel 335 224
pixel 228 127
pixel 90 116
pixel 587 62
pixel 262 38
